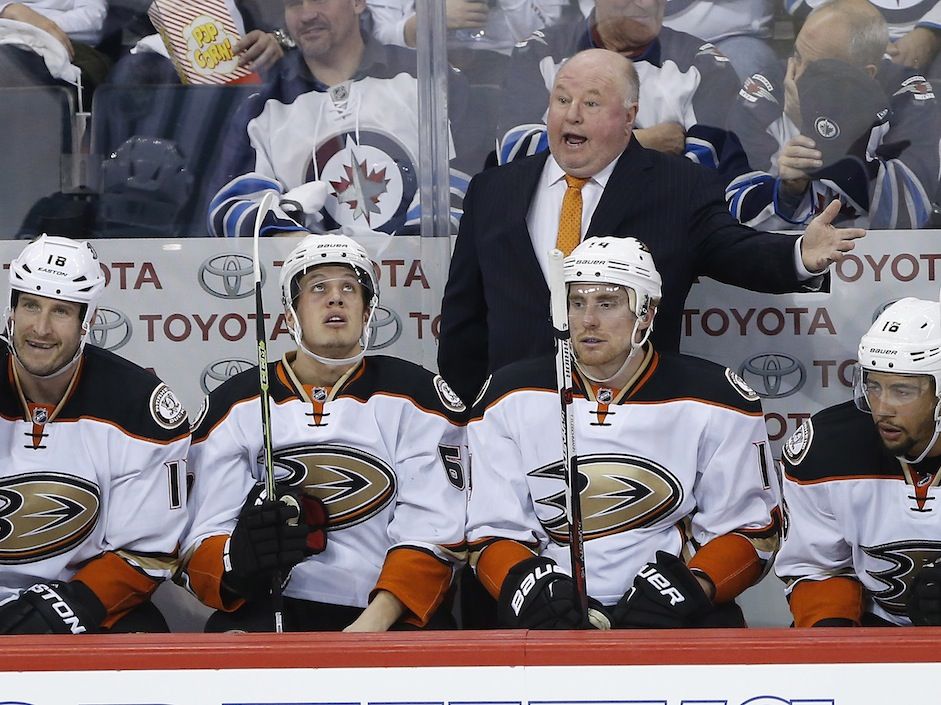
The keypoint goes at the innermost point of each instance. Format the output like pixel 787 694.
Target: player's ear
pixel 289 318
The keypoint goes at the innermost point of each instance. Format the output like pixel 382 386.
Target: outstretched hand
pixel 824 244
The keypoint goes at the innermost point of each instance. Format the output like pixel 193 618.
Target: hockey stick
pixel 563 371
pixel 262 348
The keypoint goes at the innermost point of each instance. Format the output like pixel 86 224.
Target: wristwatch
pixel 284 39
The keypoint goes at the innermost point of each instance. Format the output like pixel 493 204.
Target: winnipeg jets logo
pixel 906 559
pixel 361 188
pixel 372 180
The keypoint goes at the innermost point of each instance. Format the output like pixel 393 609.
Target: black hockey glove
pixel 924 597
pixel 53 608
pixel 272 536
pixel 538 594
pixel 665 595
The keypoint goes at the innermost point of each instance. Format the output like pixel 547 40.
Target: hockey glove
pixel 665 594
pixel 53 608
pixel 924 597
pixel 537 594
pixel 272 537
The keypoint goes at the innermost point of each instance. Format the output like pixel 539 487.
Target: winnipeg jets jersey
pixel 890 186
pixel 95 485
pixel 852 510
pixel 683 79
pixel 380 448
pixel 718 19
pixel 671 462
pixel 360 137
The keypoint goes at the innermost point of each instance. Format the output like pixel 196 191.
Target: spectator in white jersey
pixel 677 491
pixel 341 108
pixel 94 447
pixel 371 442
pixel 861 542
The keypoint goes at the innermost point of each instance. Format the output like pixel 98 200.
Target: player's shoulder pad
pixel 121 392
pixel 383 374
pixel 687 377
pixel 534 373
pixel 239 387
pixel 839 441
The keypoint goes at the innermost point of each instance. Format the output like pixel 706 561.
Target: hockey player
pixel 92 459
pixel 373 439
pixel 677 490
pixel 862 530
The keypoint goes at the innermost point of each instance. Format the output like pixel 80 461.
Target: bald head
pixel 853 31
pixel 592 108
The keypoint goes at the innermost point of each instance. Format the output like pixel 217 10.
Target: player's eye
pixel 348 288
pixel 318 288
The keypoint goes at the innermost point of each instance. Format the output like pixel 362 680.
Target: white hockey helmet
pixel 58 268
pixel 617 260
pixel 315 250
pixel 905 339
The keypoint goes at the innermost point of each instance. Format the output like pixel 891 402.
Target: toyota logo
pixel 110 329
pixel 385 328
pixel 228 276
pixel 773 375
pixel 215 373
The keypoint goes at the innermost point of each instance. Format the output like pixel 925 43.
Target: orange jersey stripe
pixel 418 579
pixel 834 598
pixel 496 560
pixel 731 563
pixel 205 571
pixel 118 585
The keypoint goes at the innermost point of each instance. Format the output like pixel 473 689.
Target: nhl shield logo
pixel 319 395
pixel 40 415
pixel 605 395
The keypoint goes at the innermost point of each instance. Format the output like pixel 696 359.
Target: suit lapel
pixel 520 244
pixel 626 187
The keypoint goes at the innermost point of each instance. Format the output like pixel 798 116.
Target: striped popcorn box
pixel 200 36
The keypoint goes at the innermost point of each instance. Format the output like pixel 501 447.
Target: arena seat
pixel 191 118
pixel 35 141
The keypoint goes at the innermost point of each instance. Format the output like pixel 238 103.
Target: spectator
pixel 94 459
pixel 36 32
pixel 914 30
pixel 495 307
pixel 861 544
pixel 261 46
pixel 369 442
pixel 479 28
pixel 842 124
pixel 664 441
pixel 686 84
pixel 342 109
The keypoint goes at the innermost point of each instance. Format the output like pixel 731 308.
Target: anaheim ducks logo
pixel 617 493
pixel 44 514
pixel 907 558
pixel 354 485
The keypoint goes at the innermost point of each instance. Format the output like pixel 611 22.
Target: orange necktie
pixel 570 219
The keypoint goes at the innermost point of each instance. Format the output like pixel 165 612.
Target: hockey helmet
pixel 58 268
pixel 905 339
pixel 315 250
pixel 625 261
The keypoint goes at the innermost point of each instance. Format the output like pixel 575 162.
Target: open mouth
pixel 573 140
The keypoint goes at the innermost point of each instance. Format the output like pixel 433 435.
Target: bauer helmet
pixel 905 339
pixel 315 250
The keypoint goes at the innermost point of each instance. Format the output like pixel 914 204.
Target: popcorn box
pixel 200 36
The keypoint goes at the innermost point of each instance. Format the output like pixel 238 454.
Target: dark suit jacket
pixel 496 303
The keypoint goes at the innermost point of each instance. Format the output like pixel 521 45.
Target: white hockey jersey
pixel 853 511
pixel 95 488
pixel 381 449
pixel 674 461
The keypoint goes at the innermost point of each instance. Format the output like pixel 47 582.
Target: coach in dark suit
pixel 496 303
